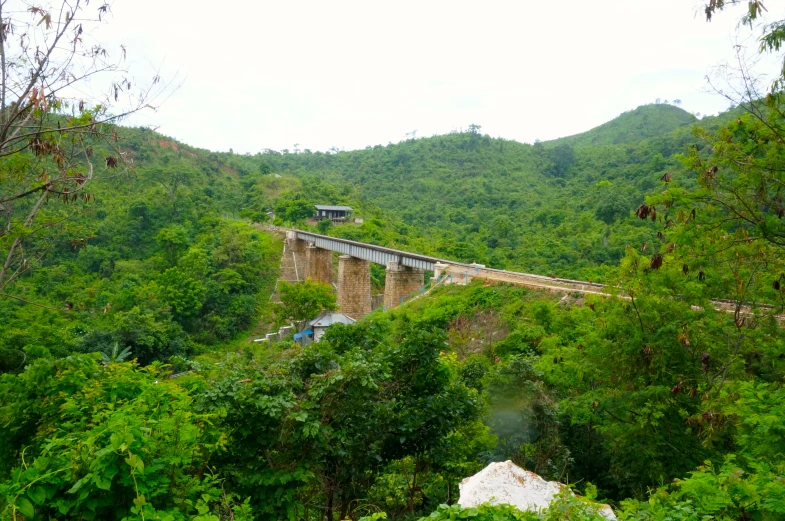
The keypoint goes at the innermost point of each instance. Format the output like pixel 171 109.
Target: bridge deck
pixel 369 252
pixel 461 272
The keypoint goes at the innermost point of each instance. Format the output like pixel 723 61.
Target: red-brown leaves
pixel 648 354
pixel 79 242
pixel 111 162
pixel 39 146
pixel 656 262
pixel 709 175
pixel 644 211
pixel 683 338
pixel 705 361
pixel 666 177
pixel 46 18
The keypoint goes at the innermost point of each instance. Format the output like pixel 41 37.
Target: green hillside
pixel 128 385
pixel 548 208
pixel 154 263
pixel 136 277
pixel 630 127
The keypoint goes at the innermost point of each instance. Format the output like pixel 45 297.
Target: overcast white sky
pixel 355 73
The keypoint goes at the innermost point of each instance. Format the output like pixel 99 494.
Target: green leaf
pixel 79 483
pixel 25 507
pixel 37 494
pixel 140 501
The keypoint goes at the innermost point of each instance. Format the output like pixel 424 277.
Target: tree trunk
pixel 413 488
pixel 344 510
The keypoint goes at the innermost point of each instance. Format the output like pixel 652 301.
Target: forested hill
pixel 160 260
pixel 154 264
pixel 644 122
pixel 548 208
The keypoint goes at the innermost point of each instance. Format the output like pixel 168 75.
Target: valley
pixel 454 326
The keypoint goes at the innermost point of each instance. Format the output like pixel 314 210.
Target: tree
pixel 182 293
pixel 324 226
pixel 115 356
pixel 55 133
pixel 562 157
pixel 126 439
pixel 173 241
pixel 171 179
pixel 304 300
pixel 294 210
pixel 612 205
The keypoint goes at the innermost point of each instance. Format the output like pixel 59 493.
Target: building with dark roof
pixel 336 213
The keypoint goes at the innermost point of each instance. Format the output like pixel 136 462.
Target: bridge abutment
pixel 354 286
pixel 400 282
pixel 319 264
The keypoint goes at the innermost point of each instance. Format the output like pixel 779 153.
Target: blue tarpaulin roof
pixel 298 336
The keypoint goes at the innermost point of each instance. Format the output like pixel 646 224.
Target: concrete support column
pixel 319 265
pixel 296 250
pixel 354 286
pixel 400 282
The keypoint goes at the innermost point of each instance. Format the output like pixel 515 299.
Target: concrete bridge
pixel 310 254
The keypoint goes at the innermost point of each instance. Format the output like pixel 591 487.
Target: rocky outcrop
pixel 508 484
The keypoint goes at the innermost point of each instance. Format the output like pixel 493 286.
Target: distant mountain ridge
pixel 644 122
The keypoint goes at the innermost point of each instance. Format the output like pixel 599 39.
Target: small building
pixel 335 213
pixel 315 328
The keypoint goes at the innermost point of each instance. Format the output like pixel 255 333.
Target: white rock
pixel 508 484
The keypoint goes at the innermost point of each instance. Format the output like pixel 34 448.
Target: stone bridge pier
pixel 400 282
pixel 354 286
pixel 319 265
pixel 295 257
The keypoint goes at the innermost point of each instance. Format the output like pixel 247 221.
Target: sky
pixel 250 75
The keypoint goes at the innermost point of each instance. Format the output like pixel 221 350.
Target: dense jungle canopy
pixel 136 272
